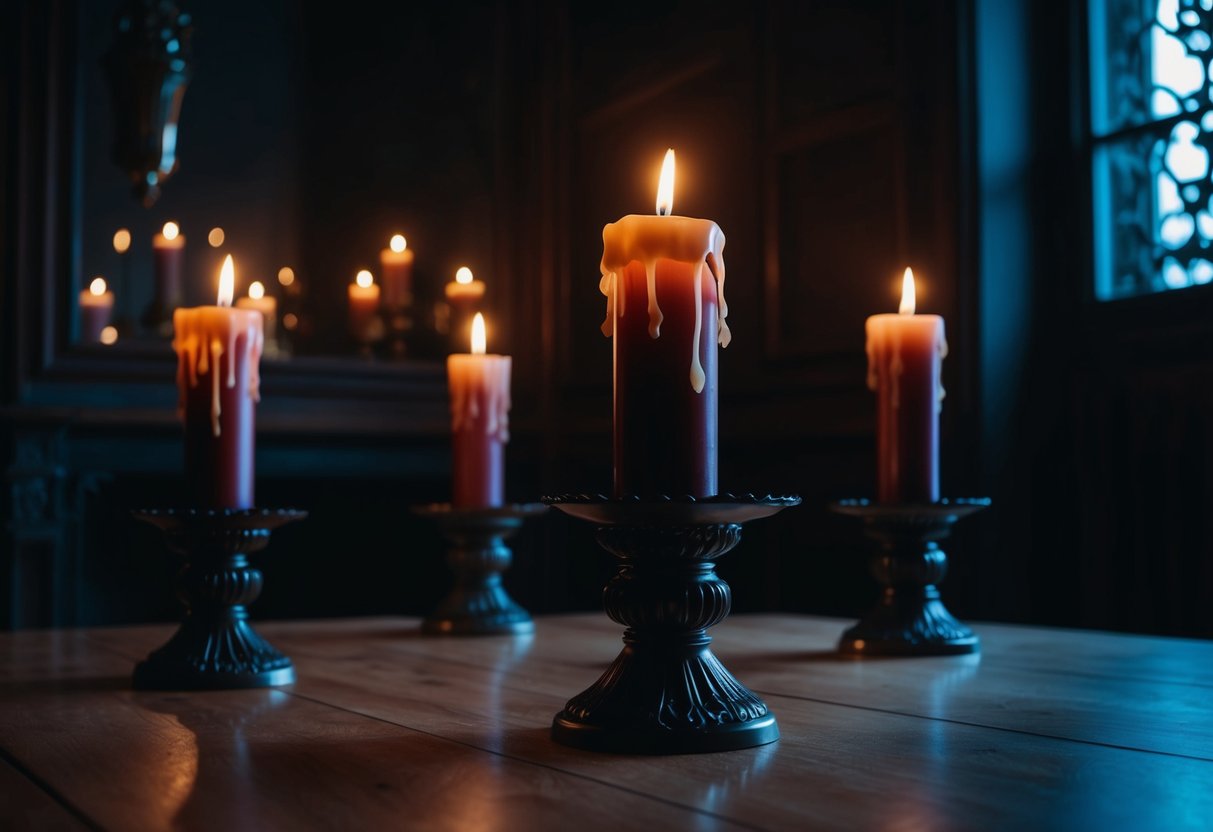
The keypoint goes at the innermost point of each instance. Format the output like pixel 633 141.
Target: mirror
pixel 309 139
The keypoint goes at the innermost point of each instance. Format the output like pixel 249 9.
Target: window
pixel 1152 136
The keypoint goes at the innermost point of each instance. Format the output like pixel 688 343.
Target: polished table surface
pixel 389 729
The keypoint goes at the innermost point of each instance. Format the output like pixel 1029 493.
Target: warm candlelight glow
pixel 255 290
pixel 463 275
pixel 215 238
pixel 398 243
pixel 227 282
pixel 109 335
pixel 290 320
pixel 97 287
pixel 665 188
pixel 170 230
pixel 286 275
pixel 907 293
pixel 122 240
pixel 364 279
pixel 478 337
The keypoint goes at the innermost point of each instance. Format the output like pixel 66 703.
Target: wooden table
pixel 388 729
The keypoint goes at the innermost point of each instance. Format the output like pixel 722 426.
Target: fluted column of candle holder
pixel 478 604
pixel 216 647
pixel 910 619
pixel 667 693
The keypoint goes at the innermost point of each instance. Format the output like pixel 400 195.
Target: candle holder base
pixel 910 619
pixel 478 605
pixel 667 693
pixel 216 647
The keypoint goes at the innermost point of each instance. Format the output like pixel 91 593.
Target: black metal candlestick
pixel 667 693
pixel 477 554
pixel 910 619
pixel 216 647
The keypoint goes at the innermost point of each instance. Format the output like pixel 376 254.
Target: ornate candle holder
pixel 216 647
pixel 910 619
pixel 477 554
pixel 667 693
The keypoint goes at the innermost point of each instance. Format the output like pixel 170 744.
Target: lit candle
pixel 663 277
pixel 364 306
pixel 480 408
pixel 396 262
pixel 905 357
pixel 463 295
pixel 96 305
pixel 267 305
pixel 168 257
pixel 218 382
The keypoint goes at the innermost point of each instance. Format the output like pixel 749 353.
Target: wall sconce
pixel 148 69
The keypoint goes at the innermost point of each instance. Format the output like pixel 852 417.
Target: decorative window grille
pixel 1152 140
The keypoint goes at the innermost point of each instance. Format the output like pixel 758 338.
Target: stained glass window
pixel 1152 136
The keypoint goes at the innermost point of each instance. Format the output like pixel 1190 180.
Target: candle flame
pixel 463 275
pixel 479 338
pixel 227 282
pixel 256 290
pixel 170 230
pixel 215 237
pixel 398 243
pixel 364 279
pixel 665 187
pixel 122 240
pixel 97 287
pixel 907 293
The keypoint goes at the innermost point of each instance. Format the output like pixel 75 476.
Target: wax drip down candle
pixel 480 426
pixel 905 357
pixel 218 382
pixel 663 277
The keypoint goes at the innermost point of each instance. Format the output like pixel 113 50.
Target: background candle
pixel 664 281
pixel 905 357
pixel 168 257
pixel 364 306
pixel 480 407
pixel 396 262
pixel 267 305
pixel 96 305
pixel 218 382
pixel 463 295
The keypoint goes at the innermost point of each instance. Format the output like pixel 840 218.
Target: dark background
pixel 834 142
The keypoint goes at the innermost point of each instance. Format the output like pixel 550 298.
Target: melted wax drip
pixel 468 401
pixel 201 348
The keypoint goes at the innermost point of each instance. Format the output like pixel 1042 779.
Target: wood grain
pixel 387 727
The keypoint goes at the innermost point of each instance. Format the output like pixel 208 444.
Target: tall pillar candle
pixel 480 427
pixel 905 357
pixel 664 281
pixel 168 257
pixel 396 266
pixel 218 383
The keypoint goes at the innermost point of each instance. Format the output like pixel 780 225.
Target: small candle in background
pixel 480 405
pixel 905 357
pixel 365 323
pixel 396 262
pixel 96 306
pixel 463 297
pixel 267 305
pixel 168 257
pixel 122 247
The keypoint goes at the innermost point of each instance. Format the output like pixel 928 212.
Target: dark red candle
pixel 480 407
pixel 905 357
pixel 396 265
pixel 168 257
pixel 218 382
pixel 664 281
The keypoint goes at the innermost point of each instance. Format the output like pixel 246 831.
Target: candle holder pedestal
pixel 667 693
pixel 216 647
pixel 910 619
pixel 478 605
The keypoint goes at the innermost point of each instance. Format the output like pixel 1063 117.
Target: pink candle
pixel 168 257
pixel 218 382
pixel 905 357
pixel 364 306
pixel 664 281
pixel 480 408
pixel 396 264
pixel 96 305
